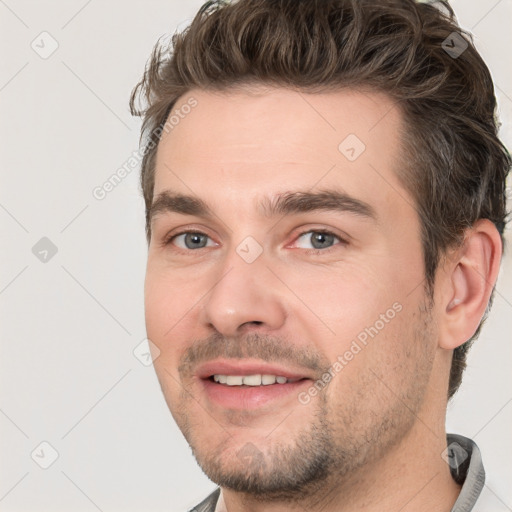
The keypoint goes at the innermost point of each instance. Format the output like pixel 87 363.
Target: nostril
pixel 252 323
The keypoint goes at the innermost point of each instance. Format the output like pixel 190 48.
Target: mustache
pixel 254 345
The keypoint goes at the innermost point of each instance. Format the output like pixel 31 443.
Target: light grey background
pixel 69 325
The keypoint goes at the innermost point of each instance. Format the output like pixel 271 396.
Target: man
pixel 325 203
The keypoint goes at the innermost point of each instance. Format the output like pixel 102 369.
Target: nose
pixel 244 297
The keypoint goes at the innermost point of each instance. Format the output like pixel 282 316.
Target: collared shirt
pixel 466 467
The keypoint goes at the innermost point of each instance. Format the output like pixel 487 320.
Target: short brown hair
pixel 455 165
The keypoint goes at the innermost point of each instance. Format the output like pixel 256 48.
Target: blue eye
pixel 313 240
pixel 191 240
pixel 317 240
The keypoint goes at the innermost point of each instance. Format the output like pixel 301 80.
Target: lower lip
pixel 251 397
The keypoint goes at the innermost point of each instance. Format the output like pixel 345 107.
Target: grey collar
pixel 463 456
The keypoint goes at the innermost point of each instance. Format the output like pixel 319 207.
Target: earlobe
pixel 469 284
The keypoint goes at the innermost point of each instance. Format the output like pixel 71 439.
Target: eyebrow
pixel 286 203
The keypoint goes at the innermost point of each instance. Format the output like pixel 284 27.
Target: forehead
pixel 263 140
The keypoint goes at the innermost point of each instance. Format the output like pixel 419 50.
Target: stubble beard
pixel 337 442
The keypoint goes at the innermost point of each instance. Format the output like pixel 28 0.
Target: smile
pixel 245 384
pixel 251 380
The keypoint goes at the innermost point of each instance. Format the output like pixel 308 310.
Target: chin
pixel 281 470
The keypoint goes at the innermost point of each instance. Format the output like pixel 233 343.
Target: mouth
pixel 246 385
pixel 251 380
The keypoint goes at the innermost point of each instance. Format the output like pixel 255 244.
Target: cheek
pixel 343 301
pixel 384 360
pixel 168 295
pixel 158 305
pixel 168 304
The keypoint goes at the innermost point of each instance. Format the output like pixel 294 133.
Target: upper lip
pixel 247 367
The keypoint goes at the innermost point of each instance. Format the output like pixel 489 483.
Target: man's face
pixel 301 258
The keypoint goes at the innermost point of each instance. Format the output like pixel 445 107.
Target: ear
pixel 467 281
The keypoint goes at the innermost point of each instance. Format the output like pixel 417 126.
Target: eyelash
pixel 168 240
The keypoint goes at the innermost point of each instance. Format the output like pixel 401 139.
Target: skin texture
pixel 372 438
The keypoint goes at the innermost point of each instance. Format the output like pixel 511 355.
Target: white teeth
pixel 252 380
pixel 268 379
pixel 234 380
pixel 249 380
